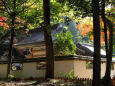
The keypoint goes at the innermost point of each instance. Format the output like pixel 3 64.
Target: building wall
pixel 29 70
pixel 37 52
pixel 81 71
pixel 61 68
pixel 3 71
pixel 103 69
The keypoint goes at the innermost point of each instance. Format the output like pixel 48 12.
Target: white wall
pixel 29 70
pixel 3 71
pixel 81 71
pixel 61 67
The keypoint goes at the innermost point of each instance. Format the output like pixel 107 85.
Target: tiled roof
pixel 87 50
pixel 37 35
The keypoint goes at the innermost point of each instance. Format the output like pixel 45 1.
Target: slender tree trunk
pixel 96 31
pixel 107 79
pixel 13 15
pixel 48 40
pixel 10 53
pixel 105 25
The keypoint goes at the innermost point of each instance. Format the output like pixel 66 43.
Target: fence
pixel 83 81
pixel 113 81
pixel 78 81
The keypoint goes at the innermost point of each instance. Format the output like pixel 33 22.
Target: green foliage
pixel 80 7
pixel 16 7
pixel 33 13
pixel 11 76
pixel 70 75
pixel 55 11
pixel 64 44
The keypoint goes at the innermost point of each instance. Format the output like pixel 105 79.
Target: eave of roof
pixel 29 45
pixel 70 57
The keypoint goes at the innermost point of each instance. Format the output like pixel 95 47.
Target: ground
pixel 52 82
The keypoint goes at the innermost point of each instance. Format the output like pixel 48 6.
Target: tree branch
pixel 4 4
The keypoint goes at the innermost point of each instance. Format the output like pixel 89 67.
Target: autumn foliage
pixel 3 22
pixel 86 28
pixel 19 23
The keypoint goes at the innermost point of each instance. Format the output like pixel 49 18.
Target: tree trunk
pixel 48 40
pixel 96 31
pixel 105 24
pixel 10 48
pixel 107 79
pixel 10 54
pixel 13 15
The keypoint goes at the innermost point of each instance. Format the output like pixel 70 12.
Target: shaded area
pixel 4 47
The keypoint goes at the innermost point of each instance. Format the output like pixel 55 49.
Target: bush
pixel 64 44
